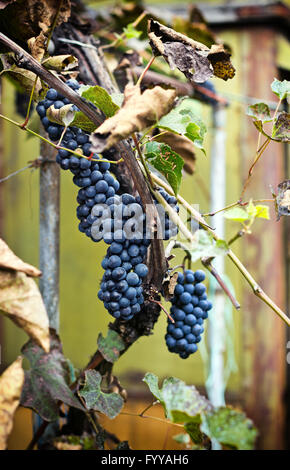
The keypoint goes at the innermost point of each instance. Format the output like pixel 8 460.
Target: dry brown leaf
pixel 9 260
pixel 183 146
pixel 11 383
pixel 31 21
pixel 194 59
pixel 4 3
pixel 22 79
pixel 138 111
pixel 20 300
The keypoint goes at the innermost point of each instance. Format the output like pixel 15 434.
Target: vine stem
pixel 123 35
pixel 56 146
pixel 258 291
pixel 238 203
pixel 259 153
pixel 163 308
pixel 148 174
pixel 151 417
pixel 139 81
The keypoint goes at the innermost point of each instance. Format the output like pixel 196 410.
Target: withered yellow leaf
pixel 9 260
pixel 11 383
pixel 20 300
pixel 139 111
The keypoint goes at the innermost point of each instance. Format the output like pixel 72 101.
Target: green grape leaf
pixel 111 346
pixel 165 160
pixel 204 245
pixel 131 32
pixel 281 89
pixel 152 381
pixel 183 120
pixel 229 427
pixel 259 211
pixel 237 214
pixel 101 99
pixel 47 382
pixel 183 404
pixel 108 403
pixel 260 112
pixel 281 128
pixel 182 438
pixel 193 429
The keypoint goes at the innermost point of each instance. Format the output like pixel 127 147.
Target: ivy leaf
pixel 168 162
pixel 108 403
pixel 101 99
pixel 204 245
pixel 111 346
pixel 281 128
pixel 229 427
pixel 182 120
pixel 260 112
pixel 237 214
pixel 281 89
pixel 47 382
pixel 131 32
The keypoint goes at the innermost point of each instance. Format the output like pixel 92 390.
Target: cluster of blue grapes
pixel 119 220
pixel 190 307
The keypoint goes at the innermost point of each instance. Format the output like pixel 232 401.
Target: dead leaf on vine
pixel 194 59
pixel 283 199
pixel 20 300
pixel 139 111
pixel 183 146
pixel 21 78
pixel 4 3
pixel 168 286
pixel 11 383
pixel 60 62
pixel 31 21
pixel 9 260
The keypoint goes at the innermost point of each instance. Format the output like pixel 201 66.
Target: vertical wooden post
pixel 49 189
pixel 264 351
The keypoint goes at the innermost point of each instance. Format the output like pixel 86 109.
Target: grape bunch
pixel 117 219
pixel 189 309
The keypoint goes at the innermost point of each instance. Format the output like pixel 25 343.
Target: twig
pixel 151 417
pixel 56 146
pixel 207 264
pixel 139 81
pixel 16 173
pixel 238 203
pixel 123 35
pixel 258 291
pixel 163 308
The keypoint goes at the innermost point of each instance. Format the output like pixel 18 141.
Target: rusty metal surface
pixel 264 349
pixel 49 193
